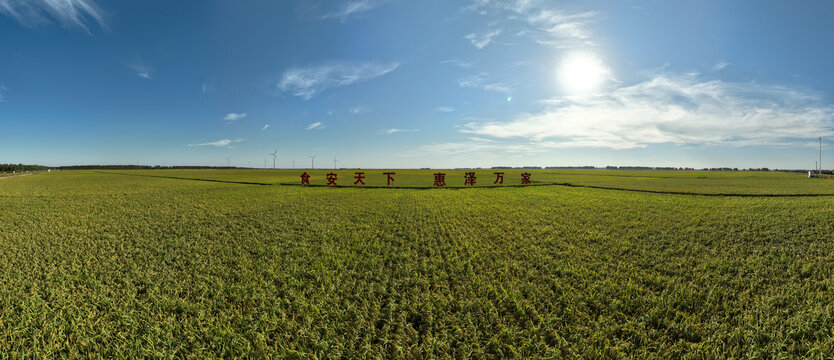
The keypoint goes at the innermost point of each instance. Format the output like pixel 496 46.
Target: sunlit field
pixel 155 263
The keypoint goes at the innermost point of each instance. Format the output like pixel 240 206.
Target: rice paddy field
pixel 577 264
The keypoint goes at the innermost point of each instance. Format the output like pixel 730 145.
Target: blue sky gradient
pixel 406 84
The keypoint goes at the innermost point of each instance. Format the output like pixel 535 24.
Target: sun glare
pixel 582 73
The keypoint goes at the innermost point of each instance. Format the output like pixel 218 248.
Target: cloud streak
pixel 721 66
pixel 445 109
pixel 457 62
pixel 395 130
pixel 353 9
pixel 359 109
pixel 478 82
pixel 307 82
pixel 68 13
pixel 266 126
pixel 234 116
pixel 482 40
pixel 672 109
pixel 218 143
pixel 207 88
pixel 143 71
pixel 542 23
pixel 318 125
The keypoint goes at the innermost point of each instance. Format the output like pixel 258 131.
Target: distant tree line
pixel 516 167
pixel 21 167
pixel 137 167
pixel 648 168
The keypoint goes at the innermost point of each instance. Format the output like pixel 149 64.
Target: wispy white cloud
pixel 560 28
pixel 457 62
pixel 266 126
pixel 3 91
pixel 234 116
pixel 674 109
pixel 395 130
pixel 478 82
pixel 68 13
pixel 482 40
pixel 353 8
pixel 721 65
pixel 359 109
pixel 207 88
pixel 307 82
pixel 218 143
pixel 445 109
pixel 143 71
pixel 539 21
pixel 318 125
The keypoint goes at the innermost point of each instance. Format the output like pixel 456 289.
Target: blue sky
pixel 431 83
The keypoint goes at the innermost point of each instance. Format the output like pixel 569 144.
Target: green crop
pixel 129 264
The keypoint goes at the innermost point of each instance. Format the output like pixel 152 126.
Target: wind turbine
pixel 293 164
pixel 274 157
pixel 229 160
pixel 312 161
pixel 250 164
pixel 334 162
pixel 264 163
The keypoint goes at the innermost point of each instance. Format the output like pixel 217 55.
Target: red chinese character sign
pixel 331 179
pixel 359 178
pixel 439 179
pixel 499 178
pixel 390 178
pixel 469 179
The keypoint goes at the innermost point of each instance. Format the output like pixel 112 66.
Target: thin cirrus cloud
pixel 457 62
pixel 353 9
pixel 445 109
pixel 68 13
pixel 721 66
pixel 3 91
pixel 359 109
pixel 675 109
pixel 482 40
pixel 318 125
pixel 266 126
pixel 207 88
pixel 307 82
pixel 395 130
pixel 479 82
pixel 218 143
pixel 143 71
pixel 234 116
pixel 540 22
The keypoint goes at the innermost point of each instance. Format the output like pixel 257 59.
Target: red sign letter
pixel 331 179
pixel 305 179
pixel 470 179
pixel 439 179
pixel 499 178
pixel 359 178
pixel 525 178
pixel 390 179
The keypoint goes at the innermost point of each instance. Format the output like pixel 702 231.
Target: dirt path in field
pixel 14 176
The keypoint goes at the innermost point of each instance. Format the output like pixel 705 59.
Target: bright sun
pixel 582 73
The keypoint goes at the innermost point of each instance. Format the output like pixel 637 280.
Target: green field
pixel 127 264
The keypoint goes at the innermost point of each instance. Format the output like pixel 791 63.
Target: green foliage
pixel 20 167
pixel 115 265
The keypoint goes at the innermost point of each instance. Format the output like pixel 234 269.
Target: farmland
pixel 641 264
